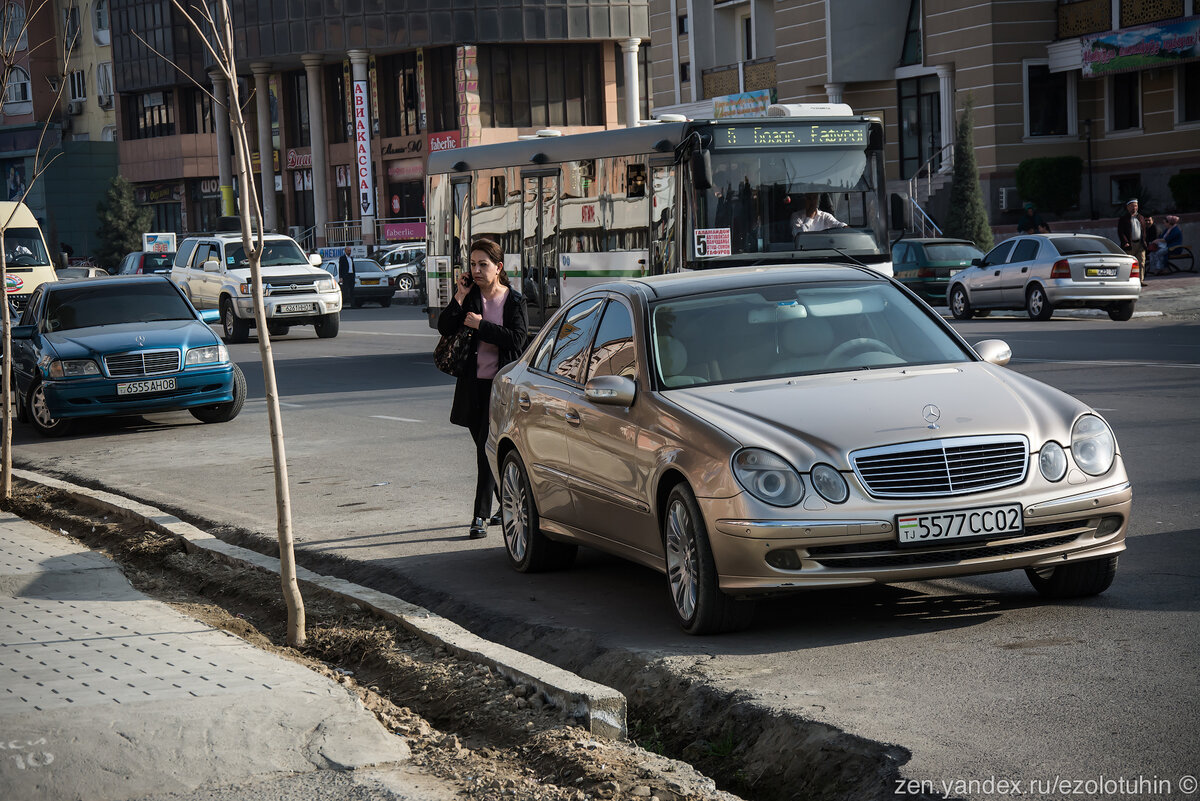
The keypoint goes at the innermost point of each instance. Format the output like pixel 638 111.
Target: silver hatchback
pixel 1044 272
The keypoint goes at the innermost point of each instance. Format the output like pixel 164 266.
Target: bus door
pixel 541 283
pixel 663 219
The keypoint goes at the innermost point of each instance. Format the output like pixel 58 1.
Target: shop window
pixel 401 103
pixel 14 27
pixel 339 114
pixel 1049 101
pixel 441 102
pixel 1188 81
pixel 1125 101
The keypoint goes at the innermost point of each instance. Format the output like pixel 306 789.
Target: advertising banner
pixel 158 243
pixel 364 175
pixel 396 232
pixel 746 104
pixel 1141 48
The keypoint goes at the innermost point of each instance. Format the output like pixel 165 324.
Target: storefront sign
pixel 405 170
pixel 403 144
pixel 746 104
pixel 447 140
pixel 158 243
pixel 298 161
pixel 159 193
pixel 394 232
pixel 364 175
pixel 1141 48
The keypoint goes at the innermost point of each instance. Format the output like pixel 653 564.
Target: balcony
pixel 1095 16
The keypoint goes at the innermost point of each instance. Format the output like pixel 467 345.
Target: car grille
pixel 942 467
pixel 151 362
pixel 293 285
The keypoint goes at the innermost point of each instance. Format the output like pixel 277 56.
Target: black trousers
pixel 485 485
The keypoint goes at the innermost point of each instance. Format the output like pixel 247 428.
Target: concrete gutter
pixel 599 709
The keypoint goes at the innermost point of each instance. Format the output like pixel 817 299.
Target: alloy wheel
pixel 41 412
pixel 513 512
pixel 682 560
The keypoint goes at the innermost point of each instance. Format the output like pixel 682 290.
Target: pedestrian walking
pixel 1131 234
pixel 485 302
pixel 346 277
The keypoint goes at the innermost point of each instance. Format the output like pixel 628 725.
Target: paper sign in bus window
pixel 713 242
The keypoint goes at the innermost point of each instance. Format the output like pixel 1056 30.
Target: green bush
pixel 1185 190
pixel 1051 183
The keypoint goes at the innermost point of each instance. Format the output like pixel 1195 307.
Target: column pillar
pixel 834 92
pixel 945 76
pixel 633 100
pixel 266 162
pixel 364 182
pixel 224 151
pixel 320 148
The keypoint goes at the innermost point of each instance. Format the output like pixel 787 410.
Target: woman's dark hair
pixel 494 252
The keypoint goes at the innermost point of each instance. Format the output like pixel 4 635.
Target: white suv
pixel 213 272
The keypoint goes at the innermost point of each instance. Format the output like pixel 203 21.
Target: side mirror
pixel 702 174
pixel 611 390
pixel 976 262
pixel 210 316
pixel 994 351
pixel 315 259
pixel 22 331
pixel 212 266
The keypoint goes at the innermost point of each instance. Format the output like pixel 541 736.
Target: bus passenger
pixel 812 218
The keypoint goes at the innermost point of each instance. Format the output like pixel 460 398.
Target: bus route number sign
pixel 789 135
pixel 713 242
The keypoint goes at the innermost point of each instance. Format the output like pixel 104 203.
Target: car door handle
pixel 524 402
pixel 1024 269
pixel 572 418
pixel 997 273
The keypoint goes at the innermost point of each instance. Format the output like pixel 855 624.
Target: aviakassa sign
pixel 364 176
pixel 448 140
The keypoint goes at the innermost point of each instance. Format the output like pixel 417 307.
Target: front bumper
pixel 846 551
pixel 318 305
pixel 93 397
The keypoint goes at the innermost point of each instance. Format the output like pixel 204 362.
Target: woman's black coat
pixel 509 338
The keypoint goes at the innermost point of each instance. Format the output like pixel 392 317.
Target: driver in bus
pixel 811 218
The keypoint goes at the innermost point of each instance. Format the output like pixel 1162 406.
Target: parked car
pixel 925 265
pixel 214 274
pixel 114 346
pixel 1042 272
pixel 80 271
pixel 371 283
pixel 756 431
pixel 405 263
pixel 141 262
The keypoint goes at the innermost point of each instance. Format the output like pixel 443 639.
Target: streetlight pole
pixel 1087 132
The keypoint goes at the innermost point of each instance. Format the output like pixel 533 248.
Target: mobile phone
pixel 465 278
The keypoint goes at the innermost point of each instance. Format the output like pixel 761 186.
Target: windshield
pixel 788 201
pixel 793 329
pixel 23 248
pixel 274 253
pixel 1077 245
pixel 68 308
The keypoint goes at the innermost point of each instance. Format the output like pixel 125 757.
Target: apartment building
pixel 1114 82
pixel 346 101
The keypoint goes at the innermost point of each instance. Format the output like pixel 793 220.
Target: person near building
pixel 1131 233
pixel 486 302
pixel 1031 222
pixel 1151 231
pixel 1171 237
pixel 346 277
pixel 811 218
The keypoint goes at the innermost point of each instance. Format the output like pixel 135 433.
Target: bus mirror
pixel 702 175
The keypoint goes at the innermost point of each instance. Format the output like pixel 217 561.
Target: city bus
pixel 573 211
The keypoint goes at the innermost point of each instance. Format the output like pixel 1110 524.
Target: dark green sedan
pixel 925 265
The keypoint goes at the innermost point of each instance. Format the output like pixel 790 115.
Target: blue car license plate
pixel 142 387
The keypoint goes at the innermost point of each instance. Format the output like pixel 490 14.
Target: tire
pixel 278 330
pixel 327 327
pixel 235 329
pixel 960 304
pixel 528 549
pixel 404 282
pixel 700 606
pixel 1121 312
pixel 224 412
pixel 1074 580
pixel 981 312
pixel 1037 305
pixel 386 303
pixel 39 416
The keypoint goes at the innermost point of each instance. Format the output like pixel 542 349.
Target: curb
pixel 599 709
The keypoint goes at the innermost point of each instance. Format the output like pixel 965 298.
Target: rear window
pixel 1078 245
pixel 952 252
pixel 157 262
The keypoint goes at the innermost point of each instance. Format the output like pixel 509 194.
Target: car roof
pixel 227 236
pixel 935 240
pixel 116 280
pixel 682 284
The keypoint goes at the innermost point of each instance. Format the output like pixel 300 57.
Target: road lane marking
pixel 386 333
pixel 397 419
pixel 281 403
pixel 1113 364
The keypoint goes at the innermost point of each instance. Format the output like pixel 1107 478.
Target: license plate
pixel 1101 272
pixel 140 387
pixel 294 308
pixel 370 282
pixel 987 521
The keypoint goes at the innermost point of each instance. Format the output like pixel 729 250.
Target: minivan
pixel 26 257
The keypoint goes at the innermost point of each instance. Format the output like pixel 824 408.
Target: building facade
pixel 1041 75
pixel 346 101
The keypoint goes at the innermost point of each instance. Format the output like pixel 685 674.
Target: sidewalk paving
pixel 109 694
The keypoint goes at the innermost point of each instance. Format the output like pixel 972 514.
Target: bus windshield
pixel 764 202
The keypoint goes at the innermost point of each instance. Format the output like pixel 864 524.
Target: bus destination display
pixel 777 135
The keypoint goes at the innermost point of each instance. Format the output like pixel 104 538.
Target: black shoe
pixel 478 528
pixel 496 520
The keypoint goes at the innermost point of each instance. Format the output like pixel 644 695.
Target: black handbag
pixel 450 355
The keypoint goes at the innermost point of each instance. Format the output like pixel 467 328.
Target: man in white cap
pixel 1131 233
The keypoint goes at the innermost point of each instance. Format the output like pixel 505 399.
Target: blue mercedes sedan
pixel 119 346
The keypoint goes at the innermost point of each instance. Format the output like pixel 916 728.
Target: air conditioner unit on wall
pixel 105 101
pixel 75 107
pixel 1009 199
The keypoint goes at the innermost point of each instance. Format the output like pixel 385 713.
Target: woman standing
pixel 486 303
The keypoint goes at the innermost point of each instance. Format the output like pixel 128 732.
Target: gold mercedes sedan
pixel 765 430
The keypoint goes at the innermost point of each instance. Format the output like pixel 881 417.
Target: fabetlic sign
pixel 448 140
pixel 364 175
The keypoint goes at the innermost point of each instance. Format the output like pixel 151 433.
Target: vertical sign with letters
pixel 364 175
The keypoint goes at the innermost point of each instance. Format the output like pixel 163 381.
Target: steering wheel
pixel 856 347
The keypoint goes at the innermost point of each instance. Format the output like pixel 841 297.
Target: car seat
pixel 805 343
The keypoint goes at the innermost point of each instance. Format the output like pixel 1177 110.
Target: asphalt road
pixel 977 678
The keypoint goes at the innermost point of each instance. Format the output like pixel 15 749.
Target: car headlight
pixel 73 368
pixel 1093 445
pixel 243 289
pixel 209 354
pixel 768 477
pixel 326 285
pixel 829 484
pixel 1053 461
